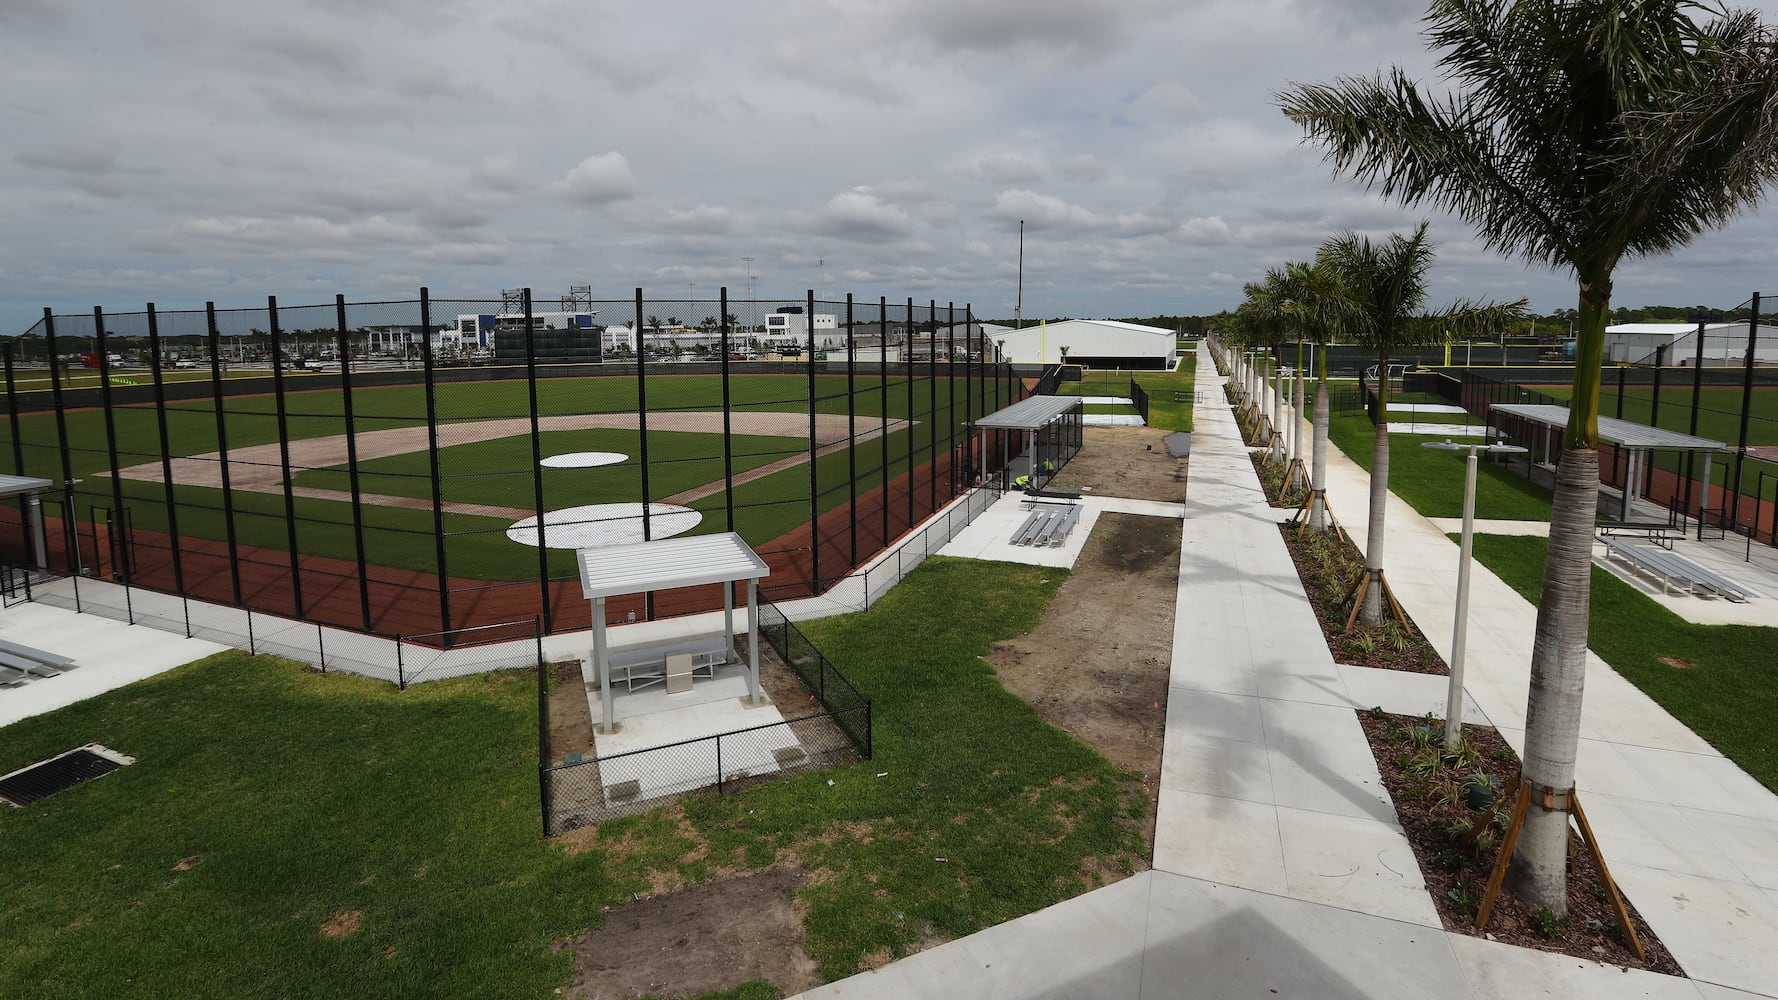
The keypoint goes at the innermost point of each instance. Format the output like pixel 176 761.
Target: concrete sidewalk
pixel 1279 867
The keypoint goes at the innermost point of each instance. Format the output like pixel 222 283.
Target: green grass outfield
pixel 268 799
pixel 496 472
pixel 1431 481
pixel 1163 411
pixel 1719 419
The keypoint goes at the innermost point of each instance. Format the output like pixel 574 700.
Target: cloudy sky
pixel 189 150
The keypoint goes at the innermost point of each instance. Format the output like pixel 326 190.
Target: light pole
pixel 1454 696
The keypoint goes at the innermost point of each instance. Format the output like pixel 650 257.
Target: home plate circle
pixel 605 524
pixel 583 460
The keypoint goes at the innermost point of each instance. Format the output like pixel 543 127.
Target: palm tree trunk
pixel 1539 873
pixel 1372 611
pixel 1296 409
pixel 1318 450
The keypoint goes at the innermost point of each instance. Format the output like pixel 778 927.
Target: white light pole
pixel 1454 696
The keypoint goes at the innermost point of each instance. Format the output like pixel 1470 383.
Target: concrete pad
pixel 1088 946
pixel 1721 932
pixel 1750 844
pixel 1698 781
pixel 1210 940
pixel 1227 768
pixel 1711 991
pixel 1496 970
pixel 1231 841
pixel 1209 715
pixel 1655 835
pixel 107 655
pixel 1357 864
pixel 1405 693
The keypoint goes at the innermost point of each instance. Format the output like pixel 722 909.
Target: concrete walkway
pixel 1279 868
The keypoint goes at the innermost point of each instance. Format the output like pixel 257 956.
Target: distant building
pixel 789 327
pixel 1725 344
pixel 1097 343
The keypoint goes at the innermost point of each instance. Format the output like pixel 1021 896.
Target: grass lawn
pixel 1719 407
pixel 1729 697
pixel 270 800
pixel 1431 481
pixel 1163 412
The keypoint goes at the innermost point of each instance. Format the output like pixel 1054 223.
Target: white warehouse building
pixel 1096 343
pixel 1725 344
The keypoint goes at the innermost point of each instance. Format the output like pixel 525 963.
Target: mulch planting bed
pixel 1433 798
pixel 1328 567
pixel 1271 479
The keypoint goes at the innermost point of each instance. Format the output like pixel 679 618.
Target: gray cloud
pixel 200 149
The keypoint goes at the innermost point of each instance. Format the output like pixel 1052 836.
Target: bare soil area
pixel 699 940
pixel 1128 462
pixel 1096 665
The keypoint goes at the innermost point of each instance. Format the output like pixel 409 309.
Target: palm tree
pixel 1379 288
pixel 1576 133
pixel 1318 318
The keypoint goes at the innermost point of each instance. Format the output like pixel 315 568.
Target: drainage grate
pixel 28 784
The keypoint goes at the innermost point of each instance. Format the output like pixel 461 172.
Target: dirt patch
pixel 1096 665
pixel 1328 568
pixel 1128 462
pixel 1676 662
pixel 700 940
pixel 570 714
pixel 1431 795
pixel 342 923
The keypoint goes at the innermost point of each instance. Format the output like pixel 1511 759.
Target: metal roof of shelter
pixel 1618 432
pixel 12 486
pixel 667 563
pixel 1029 414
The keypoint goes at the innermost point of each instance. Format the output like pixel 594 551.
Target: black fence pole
pixel 814 454
pixel 429 364
pixel 728 429
pixel 852 428
pixel 1654 415
pixel 543 747
pixel 1620 390
pixel 951 387
pixel 114 535
pixel 18 449
pixel 277 333
pixel 909 368
pixel 1734 506
pixel 55 392
pixel 642 437
pixel 543 581
pixel 228 490
pixel 883 405
pixel 1697 399
pixel 345 349
pixel 932 407
pixel 160 419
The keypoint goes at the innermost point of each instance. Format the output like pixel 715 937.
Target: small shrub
pixel 1445 789
pixel 1425 762
pixel 1465 902
pixel 1378 713
pixel 1504 754
pixel 1421 736
pixel 1397 637
pixel 1549 925
pixel 1451 859
pixel 1362 641
pixel 1466 757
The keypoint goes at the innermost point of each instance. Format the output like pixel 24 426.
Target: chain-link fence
pixel 577 791
pixel 430 465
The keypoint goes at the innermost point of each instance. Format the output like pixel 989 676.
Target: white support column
pixel 728 617
pixel 602 659
pixel 39 544
pixel 753 641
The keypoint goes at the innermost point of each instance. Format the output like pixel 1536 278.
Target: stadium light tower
pixel 752 308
